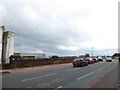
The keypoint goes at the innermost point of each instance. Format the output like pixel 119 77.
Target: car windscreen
pixel 75 59
pixel 99 57
pixel 86 59
pixel 108 58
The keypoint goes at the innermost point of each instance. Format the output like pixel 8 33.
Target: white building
pixel 1 38
pixel 8 46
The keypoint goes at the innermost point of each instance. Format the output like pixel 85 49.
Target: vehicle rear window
pixel 76 59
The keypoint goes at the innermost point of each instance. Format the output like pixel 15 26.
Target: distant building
pixel 1 41
pixel 17 54
pixel 67 57
pixel 37 55
pixel 28 57
pixel 8 46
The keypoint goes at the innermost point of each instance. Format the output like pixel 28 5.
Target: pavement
pixel 108 80
pixel 29 69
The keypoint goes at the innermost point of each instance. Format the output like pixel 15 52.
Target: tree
pixel 116 55
pixel 87 55
pixel 55 56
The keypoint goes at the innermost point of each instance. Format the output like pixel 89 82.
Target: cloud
pixel 59 27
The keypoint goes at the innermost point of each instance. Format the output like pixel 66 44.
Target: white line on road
pixel 58 87
pixel 39 77
pixel 85 75
pixel 72 69
pixel 97 63
pixel 90 65
pixel 100 68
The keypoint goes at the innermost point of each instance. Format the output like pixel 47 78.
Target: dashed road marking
pixel 72 69
pixel 84 76
pixel 100 68
pixel 39 77
pixel 58 87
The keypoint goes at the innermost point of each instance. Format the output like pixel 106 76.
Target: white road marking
pixel 72 69
pixel 97 63
pixel 84 76
pixel 90 65
pixel 100 68
pixel 39 77
pixel 42 85
pixel 58 87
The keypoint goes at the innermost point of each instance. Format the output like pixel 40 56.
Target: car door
pixel 82 62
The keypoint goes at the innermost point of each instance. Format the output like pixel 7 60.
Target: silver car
pixel 108 59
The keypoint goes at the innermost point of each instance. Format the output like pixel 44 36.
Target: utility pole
pixel 92 51
pixel 107 52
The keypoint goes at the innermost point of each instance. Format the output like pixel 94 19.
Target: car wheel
pixel 74 65
pixel 82 65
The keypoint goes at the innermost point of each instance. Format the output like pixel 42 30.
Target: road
pixel 64 76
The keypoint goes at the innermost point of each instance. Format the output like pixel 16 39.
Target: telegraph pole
pixel 92 51
pixel 107 52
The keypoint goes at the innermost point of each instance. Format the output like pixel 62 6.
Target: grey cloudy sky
pixel 62 27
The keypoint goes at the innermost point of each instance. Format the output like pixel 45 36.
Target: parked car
pixel 79 62
pixel 90 60
pixel 100 59
pixel 108 59
pixel 95 59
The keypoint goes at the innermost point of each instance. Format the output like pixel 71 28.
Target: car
pixel 108 59
pixel 95 59
pixel 90 61
pixel 100 59
pixel 79 62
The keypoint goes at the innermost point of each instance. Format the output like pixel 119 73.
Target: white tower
pixel 2 28
pixel 8 46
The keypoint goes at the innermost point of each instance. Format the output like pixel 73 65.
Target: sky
pixel 62 27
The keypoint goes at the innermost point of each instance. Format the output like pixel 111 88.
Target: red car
pixel 79 62
pixel 90 60
pixel 95 59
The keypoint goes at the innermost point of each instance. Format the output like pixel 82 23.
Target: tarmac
pixel 110 80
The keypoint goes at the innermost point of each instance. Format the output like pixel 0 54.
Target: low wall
pixel 36 62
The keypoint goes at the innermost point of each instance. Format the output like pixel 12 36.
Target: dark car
pixel 89 60
pixel 79 62
pixel 108 59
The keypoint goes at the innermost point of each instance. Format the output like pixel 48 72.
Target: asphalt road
pixel 65 76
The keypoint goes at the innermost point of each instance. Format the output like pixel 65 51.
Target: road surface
pixel 64 76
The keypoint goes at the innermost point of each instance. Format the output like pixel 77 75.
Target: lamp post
pixel 107 52
pixel 92 51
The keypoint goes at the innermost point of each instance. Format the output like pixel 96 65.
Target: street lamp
pixel 92 51
pixel 107 52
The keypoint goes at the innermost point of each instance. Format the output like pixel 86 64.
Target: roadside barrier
pixel 37 62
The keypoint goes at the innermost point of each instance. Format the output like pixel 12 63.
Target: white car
pixel 108 59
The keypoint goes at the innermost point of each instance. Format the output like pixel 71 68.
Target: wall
pixel 35 62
